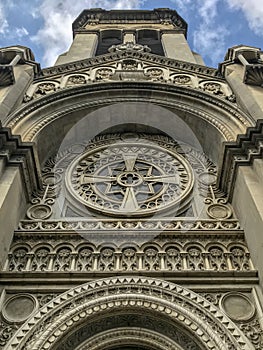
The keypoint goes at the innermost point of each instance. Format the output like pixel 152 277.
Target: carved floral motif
pixel 76 80
pixel 181 79
pixel 151 258
pixel 104 74
pixel 6 333
pixel 213 88
pixel 155 73
pixel 44 89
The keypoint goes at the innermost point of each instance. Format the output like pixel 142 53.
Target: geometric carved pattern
pixel 150 257
pixel 171 224
pixel 70 310
pixel 132 336
pixel 134 178
pixel 128 175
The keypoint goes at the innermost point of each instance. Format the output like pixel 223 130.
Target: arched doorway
pixel 119 310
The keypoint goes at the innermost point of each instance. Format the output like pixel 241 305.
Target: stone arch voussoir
pixel 207 324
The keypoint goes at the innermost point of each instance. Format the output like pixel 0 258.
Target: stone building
pixel 131 191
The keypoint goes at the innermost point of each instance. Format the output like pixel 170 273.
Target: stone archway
pixel 46 120
pixel 131 339
pixel 66 315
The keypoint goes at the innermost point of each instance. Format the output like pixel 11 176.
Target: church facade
pixel 131 186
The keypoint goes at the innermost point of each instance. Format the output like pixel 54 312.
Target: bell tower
pixel 130 191
pixel 162 30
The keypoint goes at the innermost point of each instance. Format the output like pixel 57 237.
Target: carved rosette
pixel 132 178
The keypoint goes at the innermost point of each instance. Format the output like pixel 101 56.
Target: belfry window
pixel 107 39
pixel 150 38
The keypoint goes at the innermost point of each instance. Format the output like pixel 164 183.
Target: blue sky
pixel 213 25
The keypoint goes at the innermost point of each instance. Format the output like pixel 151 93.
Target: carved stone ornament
pixel 76 80
pixel 68 320
pixel 44 89
pixel 129 46
pixel 132 179
pixel 182 79
pixel 169 257
pixel 104 74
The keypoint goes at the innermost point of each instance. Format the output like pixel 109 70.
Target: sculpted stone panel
pixel 71 317
pixel 136 59
pixel 133 178
pixel 172 256
pixel 170 224
pixel 129 175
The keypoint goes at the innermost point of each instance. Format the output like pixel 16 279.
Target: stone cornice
pixel 147 57
pixel 131 89
pixel 163 16
pixel 20 154
pixel 240 153
pixel 110 225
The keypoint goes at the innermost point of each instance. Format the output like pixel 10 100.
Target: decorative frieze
pixel 86 257
pixel 176 225
pixel 113 71
pixel 114 297
pixel 149 58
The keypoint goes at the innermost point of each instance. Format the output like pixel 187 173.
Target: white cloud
pixel 252 10
pixel 21 32
pixel 56 34
pixel 182 5
pixel 211 42
pixel 209 37
pixel 3 21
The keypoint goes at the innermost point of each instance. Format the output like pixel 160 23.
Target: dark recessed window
pixel 152 39
pixel 107 39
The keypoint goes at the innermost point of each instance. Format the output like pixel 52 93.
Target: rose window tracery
pixel 131 178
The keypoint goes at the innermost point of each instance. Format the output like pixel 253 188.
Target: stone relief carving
pixel 129 46
pixel 129 65
pixel 239 258
pixel 131 178
pixel 6 333
pixel 44 89
pixel 145 71
pixel 90 301
pixel 134 336
pixel 104 74
pixel 242 311
pixel 254 333
pixel 156 74
pixel 181 79
pixel 40 260
pixel 88 258
pixel 76 80
pixel 44 199
pixel 247 319
pixel 131 174
pixel 172 224
pixel 213 88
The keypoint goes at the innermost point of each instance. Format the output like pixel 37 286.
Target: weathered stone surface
pixel 150 173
